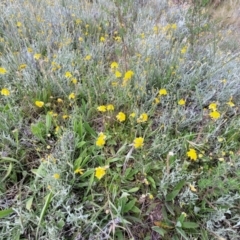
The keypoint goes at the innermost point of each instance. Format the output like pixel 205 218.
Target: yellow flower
pixel 155 29
pixel 2 70
pixel 5 92
pixel 65 116
pixel 150 196
pixel 100 172
pixel 192 188
pixel 114 65
pixel 138 142
pixel 117 39
pixel 74 80
pixel 156 100
pixel 214 115
pixel 212 106
pixel 121 117
pixel 88 57
pixel 102 39
pixel 143 118
pixel 174 26
pixel 102 108
pixel 132 115
pixel 29 50
pixel 71 96
pixel 68 75
pixel 39 104
pixel 118 74
pixel 184 50
pixel 22 66
pixel 192 154
pixel 230 103
pixel 59 100
pixel 37 56
pixel 163 92
pixel 110 107
pixel 128 75
pixel 56 175
pixel 181 102
pixel 79 170
pixel 101 140
pixel 19 24
pixel 80 39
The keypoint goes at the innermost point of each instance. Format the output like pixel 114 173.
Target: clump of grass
pixel 118 121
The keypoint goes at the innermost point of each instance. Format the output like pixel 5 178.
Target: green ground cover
pixel 118 120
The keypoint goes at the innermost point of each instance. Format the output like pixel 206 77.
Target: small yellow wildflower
pixel 5 92
pixel 71 96
pixel 102 108
pixel 230 103
pixel 19 24
pixel 121 117
pixel 102 39
pixel 162 92
pixel 79 170
pixel 88 57
pixel 117 39
pixel 59 100
pixel 110 107
pixel 192 154
pixel 65 116
pixel 118 74
pixel 39 104
pixel 156 100
pixel 181 102
pixel 128 75
pixel 37 56
pixel 212 106
pixel 100 172
pixel 29 50
pixel 114 65
pixel 192 188
pixel 22 66
pixel 68 75
pixel 3 70
pixel 150 196
pixel 101 140
pixel 214 115
pixel 80 39
pixel 155 29
pixel 184 50
pixel 174 26
pixel 132 115
pixel 74 80
pixel 143 118
pixel 56 175
pixel 138 142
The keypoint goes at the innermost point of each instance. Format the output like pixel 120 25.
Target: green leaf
pixel 151 180
pixel 89 129
pixel 159 230
pixel 169 208
pixel 190 225
pixel 48 123
pixel 129 205
pixel 182 233
pixel 10 167
pixel 135 209
pixel 132 190
pixel 48 199
pixel 29 203
pixel 175 191
pixel 5 212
